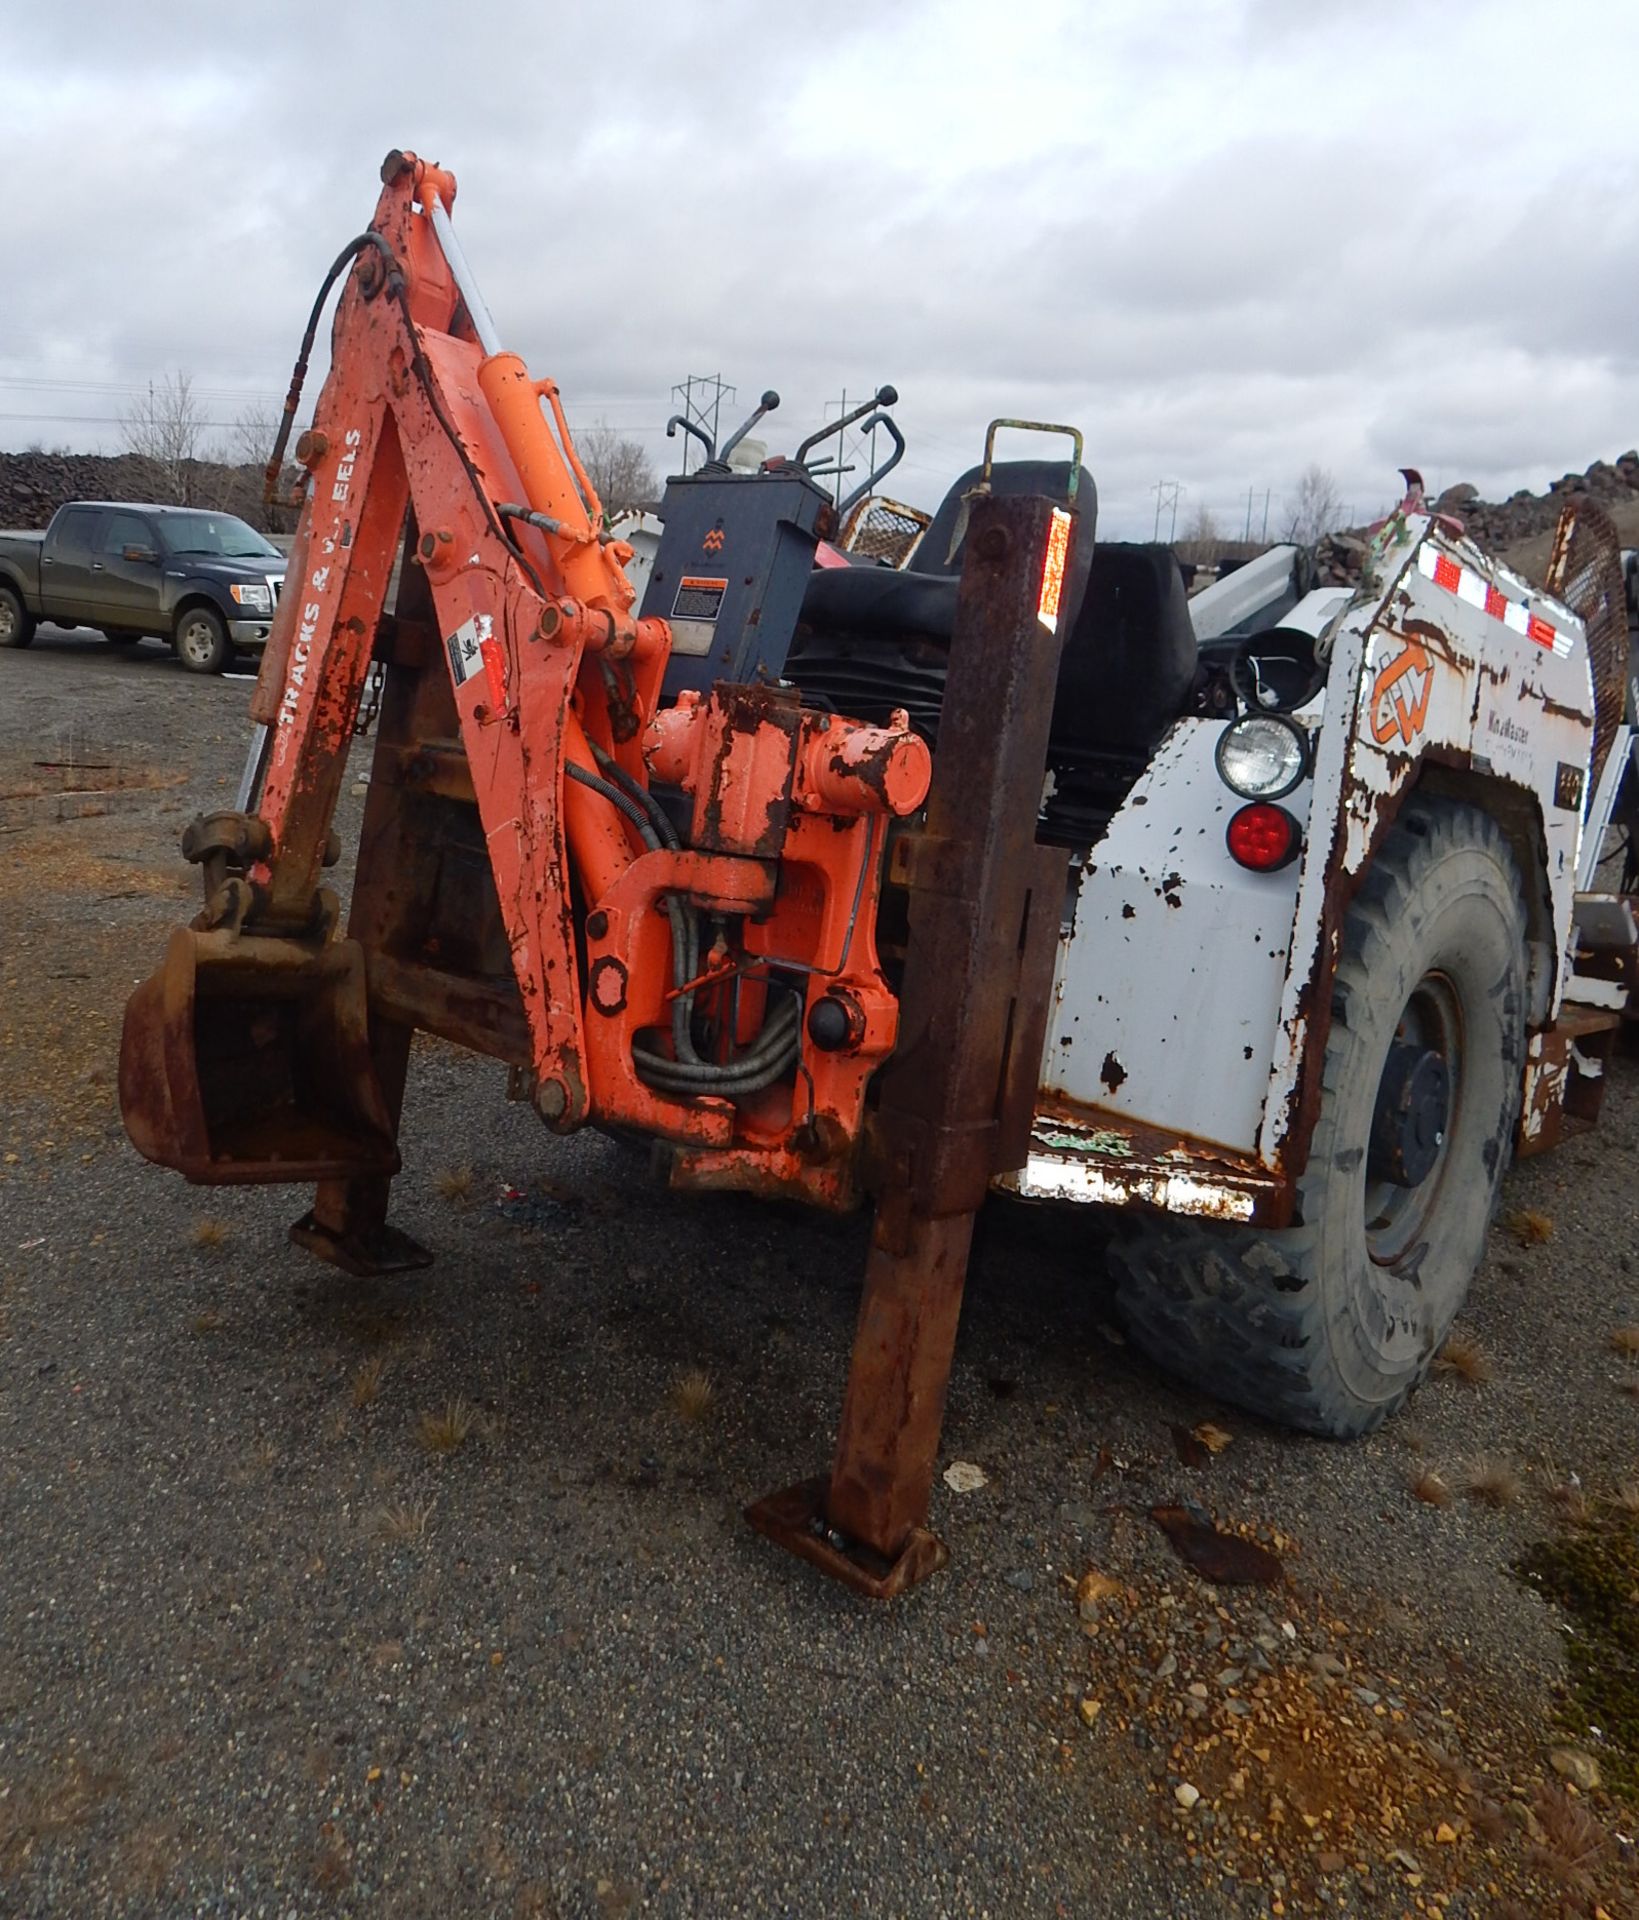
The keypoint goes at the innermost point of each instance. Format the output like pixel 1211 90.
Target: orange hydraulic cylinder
pixel 549 486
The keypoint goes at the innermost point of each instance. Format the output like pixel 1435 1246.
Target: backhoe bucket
pixel 247 1058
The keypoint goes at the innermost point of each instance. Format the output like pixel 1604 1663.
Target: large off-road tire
pixel 16 622
pixel 1329 1325
pixel 202 643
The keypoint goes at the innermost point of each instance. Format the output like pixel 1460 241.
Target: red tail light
pixel 1264 837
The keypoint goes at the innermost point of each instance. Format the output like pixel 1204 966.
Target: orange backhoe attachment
pixel 524 616
pixel 660 909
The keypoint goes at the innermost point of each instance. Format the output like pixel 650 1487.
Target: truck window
pixel 72 530
pixel 122 530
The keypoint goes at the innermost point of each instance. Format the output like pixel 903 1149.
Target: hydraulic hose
pixel 293 398
pixel 774 1049
pixel 685 934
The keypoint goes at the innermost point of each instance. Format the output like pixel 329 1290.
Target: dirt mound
pixel 34 485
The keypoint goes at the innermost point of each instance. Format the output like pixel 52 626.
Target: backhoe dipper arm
pixel 632 944
pixel 413 415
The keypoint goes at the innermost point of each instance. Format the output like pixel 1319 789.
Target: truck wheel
pixel 16 622
pixel 1328 1326
pixel 202 640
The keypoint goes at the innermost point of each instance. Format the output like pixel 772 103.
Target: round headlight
pixel 1262 756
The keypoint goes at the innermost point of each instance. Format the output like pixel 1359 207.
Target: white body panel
pixel 1169 985
pixel 1186 988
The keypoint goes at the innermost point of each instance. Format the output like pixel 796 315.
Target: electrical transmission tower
pixel 699 397
pixel 1167 494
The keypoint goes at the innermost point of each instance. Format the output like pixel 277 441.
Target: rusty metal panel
pixel 1585 572
pixel 1096 1157
pixel 1032 1004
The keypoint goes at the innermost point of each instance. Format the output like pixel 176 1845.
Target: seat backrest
pixel 1130 658
pixel 940 548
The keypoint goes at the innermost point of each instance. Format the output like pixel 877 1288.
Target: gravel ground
pixel 264 1650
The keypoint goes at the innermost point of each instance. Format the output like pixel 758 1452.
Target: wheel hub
pixel 1412 1115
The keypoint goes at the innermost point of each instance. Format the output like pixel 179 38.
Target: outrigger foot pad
pixel 366 1254
pixel 796 1521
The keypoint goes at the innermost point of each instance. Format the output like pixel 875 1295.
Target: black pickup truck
pixel 205 582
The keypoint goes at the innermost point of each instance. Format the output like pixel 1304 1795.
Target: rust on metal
pixel 940 1117
pixel 247 1059
pixel 1092 1155
pixel 796 1521
pixel 1585 572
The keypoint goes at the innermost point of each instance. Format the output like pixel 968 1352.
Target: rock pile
pixel 1499 524
pixel 33 485
pixel 1495 525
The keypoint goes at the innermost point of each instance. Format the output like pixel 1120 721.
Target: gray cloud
pixel 1223 239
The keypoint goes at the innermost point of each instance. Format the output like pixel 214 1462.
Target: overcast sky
pixel 1223 239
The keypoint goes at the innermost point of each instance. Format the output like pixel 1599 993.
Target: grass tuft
pixel 1493 1483
pixel 445 1430
pixel 1431 1488
pixel 1571 1500
pixel 1625 1341
pixel 1573 1842
pixel 1529 1227
pixel 210 1321
pixel 332 1869
pixel 365 1386
pixel 1463 1358
pixel 401 1521
pixel 209 1235
pixel 693 1396
pixel 455 1184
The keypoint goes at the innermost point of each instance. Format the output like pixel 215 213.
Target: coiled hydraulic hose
pixel 774 1049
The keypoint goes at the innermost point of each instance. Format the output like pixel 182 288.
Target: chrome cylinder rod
pixel 472 299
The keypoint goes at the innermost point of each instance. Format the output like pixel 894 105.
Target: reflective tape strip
pixel 1476 591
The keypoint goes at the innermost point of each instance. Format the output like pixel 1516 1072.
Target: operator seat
pixel 872 638
pixel 921 600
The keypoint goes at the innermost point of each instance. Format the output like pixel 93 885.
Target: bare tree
pixel 1203 538
pixel 250 439
pixel 164 429
pixel 617 467
pixel 1314 507
pixel 243 453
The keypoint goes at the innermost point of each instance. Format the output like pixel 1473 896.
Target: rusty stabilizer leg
pixel 956 1097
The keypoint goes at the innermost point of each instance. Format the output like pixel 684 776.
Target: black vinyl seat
pixel 921 600
pixel 872 639
pixel 1129 665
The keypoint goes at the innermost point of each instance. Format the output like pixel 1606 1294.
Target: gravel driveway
pixel 433 1596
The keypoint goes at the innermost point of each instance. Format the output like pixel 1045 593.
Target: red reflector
pixel 1263 837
